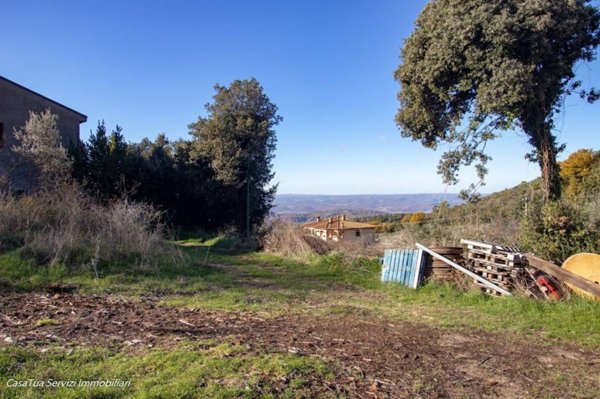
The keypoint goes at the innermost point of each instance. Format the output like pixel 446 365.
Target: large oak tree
pixel 473 68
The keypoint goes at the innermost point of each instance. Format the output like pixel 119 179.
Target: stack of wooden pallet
pixel 438 270
pixel 500 265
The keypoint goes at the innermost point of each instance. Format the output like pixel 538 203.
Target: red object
pixel 552 289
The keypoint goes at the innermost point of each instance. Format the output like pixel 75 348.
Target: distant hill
pixel 505 204
pixel 302 207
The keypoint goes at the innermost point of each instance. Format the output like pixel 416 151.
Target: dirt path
pixel 371 357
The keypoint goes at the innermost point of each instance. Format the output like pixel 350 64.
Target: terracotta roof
pixel 338 224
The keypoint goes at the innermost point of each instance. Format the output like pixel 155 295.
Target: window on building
pixel 358 233
pixel 1 135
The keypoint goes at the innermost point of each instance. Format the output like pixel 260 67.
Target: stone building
pixel 16 102
pixel 338 228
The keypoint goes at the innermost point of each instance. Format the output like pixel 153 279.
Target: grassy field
pixel 192 370
pixel 217 280
pixel 273 285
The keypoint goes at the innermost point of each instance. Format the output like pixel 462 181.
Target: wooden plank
pixel 418 269
pixel 385 267
pixel 410 268
pixel 397 256
pixel 493 248
pixel 413 268
pixel 405 267
pixel 563 275
pixel 392 265
pixel 465 271
pixel 499 258
pixel 402 266
pixel 477 244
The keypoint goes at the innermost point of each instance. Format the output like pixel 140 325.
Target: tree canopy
pixel 577 169
pixel 237 138
pixel 473 68
pixel 206 182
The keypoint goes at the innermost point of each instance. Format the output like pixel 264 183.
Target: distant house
pixel 339 228
pixel 15 103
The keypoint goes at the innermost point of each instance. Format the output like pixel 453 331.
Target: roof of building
pixel 83 117
pixel 338 223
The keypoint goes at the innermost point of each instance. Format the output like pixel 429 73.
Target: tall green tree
pixel 107 160
pixel 473 68
pixel 237 138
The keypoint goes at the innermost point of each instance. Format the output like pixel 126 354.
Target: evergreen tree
pixel 98 178
pixel 237 139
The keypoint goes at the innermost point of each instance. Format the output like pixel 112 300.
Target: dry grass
pixel 288 240
pixel 65 226
pixel 446 235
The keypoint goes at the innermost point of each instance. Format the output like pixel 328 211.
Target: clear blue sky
pixel 150 66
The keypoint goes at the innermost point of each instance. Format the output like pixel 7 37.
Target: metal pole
pixel 248 199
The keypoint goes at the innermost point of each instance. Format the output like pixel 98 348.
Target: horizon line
pixel 420 193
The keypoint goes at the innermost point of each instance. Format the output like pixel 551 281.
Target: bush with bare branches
pixel 65 226
pixel 289 240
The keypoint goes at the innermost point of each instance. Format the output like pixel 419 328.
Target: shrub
pixel 65 226
pixel 289 240
pixel 417 217
pixel 440 233
pixel 557 230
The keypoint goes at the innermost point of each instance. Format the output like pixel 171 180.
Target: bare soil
pixel 371 357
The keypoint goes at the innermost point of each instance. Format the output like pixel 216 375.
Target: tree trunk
pixel 550 170
pixel 539 129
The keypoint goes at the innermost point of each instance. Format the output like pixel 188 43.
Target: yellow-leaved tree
pixel 576 169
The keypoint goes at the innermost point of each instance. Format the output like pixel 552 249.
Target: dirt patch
pixel 371 357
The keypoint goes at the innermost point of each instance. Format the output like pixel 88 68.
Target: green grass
pixel 21 273
pixel 575 320
pixel 186 276
pixel 46 322
pixel 274 285
pixel 218 242
pixel 189 371
pixel 262 282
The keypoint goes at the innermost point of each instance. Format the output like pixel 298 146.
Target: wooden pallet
pixel 515 259
pixel 516 272
pixel 498 264
pixel 489 247
pixel 487 290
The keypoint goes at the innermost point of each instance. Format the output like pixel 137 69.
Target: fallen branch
pixel 186 323
pixel 8 319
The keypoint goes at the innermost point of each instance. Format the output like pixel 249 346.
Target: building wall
pixel 15 104
pixel 367 235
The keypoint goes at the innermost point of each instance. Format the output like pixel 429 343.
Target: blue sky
pixel 150 66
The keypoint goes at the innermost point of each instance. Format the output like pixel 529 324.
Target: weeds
pixel 66 227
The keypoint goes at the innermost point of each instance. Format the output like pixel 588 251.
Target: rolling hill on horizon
pixel 302 207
